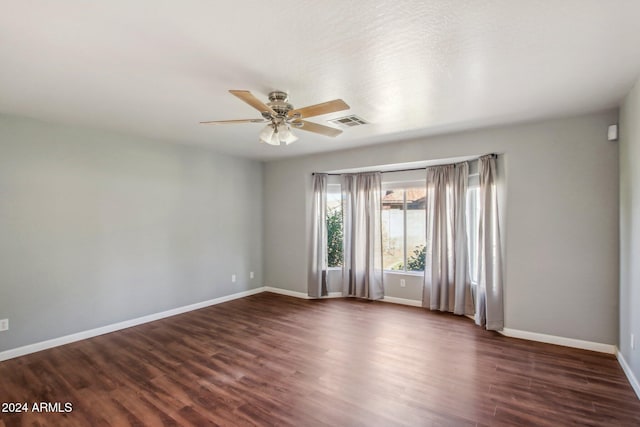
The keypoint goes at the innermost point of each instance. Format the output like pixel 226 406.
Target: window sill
pixel 404 273
pixel 398 272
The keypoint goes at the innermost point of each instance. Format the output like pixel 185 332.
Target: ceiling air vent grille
pixel 349 121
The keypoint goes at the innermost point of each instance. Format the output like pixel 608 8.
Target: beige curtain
pixel 317 276
pixel 361 205
pixel 489 294
pixel 446 278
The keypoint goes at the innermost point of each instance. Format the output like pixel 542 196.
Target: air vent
pixel 349 121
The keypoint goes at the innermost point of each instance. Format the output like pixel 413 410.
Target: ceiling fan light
pixel 269 136
pixel 286 136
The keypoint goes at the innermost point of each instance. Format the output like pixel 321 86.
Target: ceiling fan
pixel 280 116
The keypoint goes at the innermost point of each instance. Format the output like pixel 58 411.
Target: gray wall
pixel 630 228
pixel 561 225
pixel 97 228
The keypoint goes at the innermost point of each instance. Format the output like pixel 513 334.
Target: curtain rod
pixel 397 170
pixel 493 155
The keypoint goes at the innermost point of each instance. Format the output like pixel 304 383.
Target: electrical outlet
pixel 233 278
pixel 633 342
pixel 4 325
pixel 251 275
pixel 403 283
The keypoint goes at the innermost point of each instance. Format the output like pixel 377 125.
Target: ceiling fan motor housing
pixel 278 103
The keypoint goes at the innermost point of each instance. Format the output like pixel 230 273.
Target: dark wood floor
pixel 274 360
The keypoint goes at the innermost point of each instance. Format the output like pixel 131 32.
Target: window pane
pixel 416 228
pixel 334 226
pixel 393 230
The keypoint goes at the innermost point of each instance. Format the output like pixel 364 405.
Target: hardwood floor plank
pixel 274 360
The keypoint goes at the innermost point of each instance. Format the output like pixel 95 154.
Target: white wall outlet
pixel 403 283
pixel 633 342
pixel 251 275
pixel 4 325
pixel 233 278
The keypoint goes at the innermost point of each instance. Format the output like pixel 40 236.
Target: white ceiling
pixel 411 68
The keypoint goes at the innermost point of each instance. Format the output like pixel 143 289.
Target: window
pixel 403 226
pixel 403 222
pixel 334 226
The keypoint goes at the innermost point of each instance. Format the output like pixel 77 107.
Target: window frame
pixel 332 183
pixel 397 183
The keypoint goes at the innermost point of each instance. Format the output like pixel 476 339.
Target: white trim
pixel 403 301
pixel 629 373
pixel 67 339
pixel 567 342
pixel 404 273
pixel 297 294
pixel 286 292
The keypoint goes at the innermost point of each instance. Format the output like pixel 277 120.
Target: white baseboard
pixel 629 373
pixel 297 294
pixel 286 292
pixel 402 301
pixel 67 339
pixel 567 342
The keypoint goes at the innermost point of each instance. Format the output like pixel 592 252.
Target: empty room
pixel 305 213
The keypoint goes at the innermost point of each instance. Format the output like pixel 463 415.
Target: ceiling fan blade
pixel 228 122
pixel 319 109
pixel 316 128
pixel 248 97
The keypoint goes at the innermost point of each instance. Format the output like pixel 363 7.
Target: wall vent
pixel 349 121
